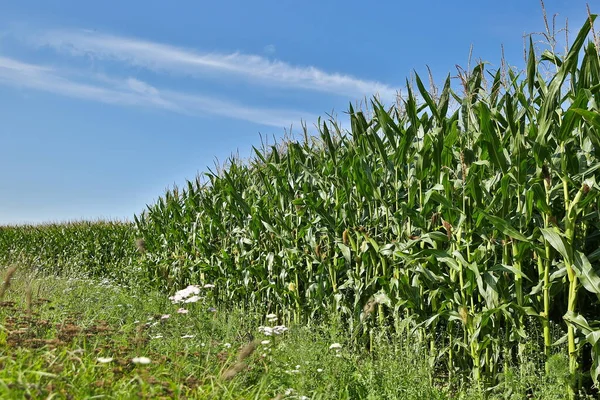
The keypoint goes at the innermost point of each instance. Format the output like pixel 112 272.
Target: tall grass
pixel 473 220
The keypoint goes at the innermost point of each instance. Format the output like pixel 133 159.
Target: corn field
pixel 96 249
pixel 473 220
pixel 474 214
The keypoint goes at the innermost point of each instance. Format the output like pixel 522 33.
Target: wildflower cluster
pixel 275 330
pixel 270 331
pixel 190 294
pixel 187 295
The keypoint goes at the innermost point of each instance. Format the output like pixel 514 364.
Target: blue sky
pixel 104 104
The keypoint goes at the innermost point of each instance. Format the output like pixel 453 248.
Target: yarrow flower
pixel 276 330
pixel 182 311
pixel 279 329
pixel 337 347
pixel 192 299
pixel 104 360
pixel 271 317
pixel 183 294
pixel 141 360
pixel 265 330
pixel 165 316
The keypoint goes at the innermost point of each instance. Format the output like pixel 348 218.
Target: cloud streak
pixel 133 92
pixel 161 57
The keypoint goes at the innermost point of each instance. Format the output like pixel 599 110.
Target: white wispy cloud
pixel 133 92
pixel 167 58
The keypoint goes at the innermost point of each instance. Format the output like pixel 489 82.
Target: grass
pixel 69 337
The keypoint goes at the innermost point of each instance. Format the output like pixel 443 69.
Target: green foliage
pixel 101 248
pixel 82 335
pixel 470 218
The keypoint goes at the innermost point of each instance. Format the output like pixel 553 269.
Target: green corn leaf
pixel 345 252
pixel 531 67
pixel 509 268
pixel 559 243
pixel 504 227
pixel 558 274
pixel 595 371
pixel 551 98
pixel 492 141
pixel 578 321
pixel 586 274
pixel 427 97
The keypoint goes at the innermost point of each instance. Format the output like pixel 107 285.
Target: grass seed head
pixel 6 283
pixel 247 350
pixel 140 244
pixel 369 308
pixel 233 371
pixel 28 297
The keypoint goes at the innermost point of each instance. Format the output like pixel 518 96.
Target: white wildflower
pixel 192 299
pixel 184 294
pixel 335 346
pixel 279 329
pixel 141 360
pixel 265 330
pixel 104 360
pixel 182 311
pixel 271 317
